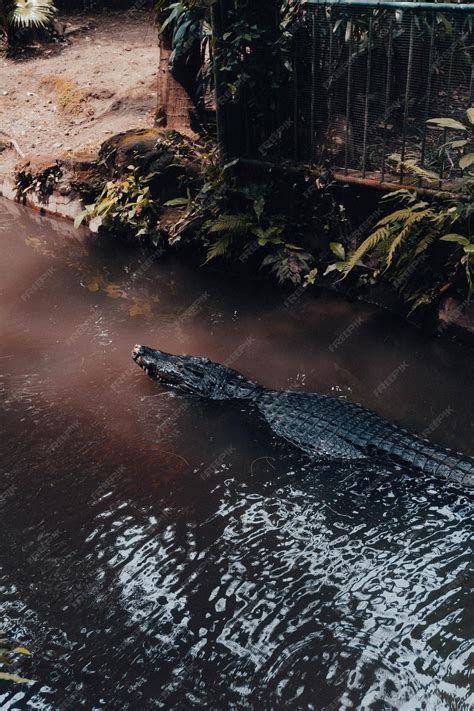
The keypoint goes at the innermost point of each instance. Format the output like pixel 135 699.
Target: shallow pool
pixel 161 552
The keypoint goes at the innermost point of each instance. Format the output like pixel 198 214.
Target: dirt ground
pixel 69 97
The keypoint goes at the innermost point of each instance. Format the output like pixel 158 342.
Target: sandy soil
pixel 69 97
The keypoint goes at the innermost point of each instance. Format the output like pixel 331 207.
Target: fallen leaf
pixel 22 650
pixel 33 241
pixel 93 284
pixel 114 291
pixel 141 309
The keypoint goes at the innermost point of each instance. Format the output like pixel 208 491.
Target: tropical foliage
pixel 32 13
pixel 252 51
pixel 426 248
pixel 183 197
pixel 18 15
pixel 422 248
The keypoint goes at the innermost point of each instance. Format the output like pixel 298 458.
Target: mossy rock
pixel 151 149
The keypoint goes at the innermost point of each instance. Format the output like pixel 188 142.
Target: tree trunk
pixel 174 103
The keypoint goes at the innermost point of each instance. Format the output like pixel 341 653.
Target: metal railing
pixel 366 78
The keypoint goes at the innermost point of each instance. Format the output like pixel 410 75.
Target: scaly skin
pixel 319 425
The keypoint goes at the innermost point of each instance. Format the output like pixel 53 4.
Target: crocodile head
pixel 192 375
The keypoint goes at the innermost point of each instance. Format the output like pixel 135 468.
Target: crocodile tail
pixel 421 455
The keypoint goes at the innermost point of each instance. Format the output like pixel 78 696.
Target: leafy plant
pixel 463 149
pixel 42 183
pixel 24 14
pixel 422 248
pixel 32 13
pixel 125 204
pixel 290 265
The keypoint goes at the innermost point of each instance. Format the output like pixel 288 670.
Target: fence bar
pixel 343 179
pixel 387 5
pixel 295 102
pixel 367 92
pixel 348 101
pixel 388 80
pixel 313 85
pixel 331 59
pixel 428 91
pixel 445 132
pixel 407 95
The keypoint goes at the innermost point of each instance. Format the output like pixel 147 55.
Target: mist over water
pixel 158 551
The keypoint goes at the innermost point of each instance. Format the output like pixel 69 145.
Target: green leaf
pixel 454 237
pixel 258 206
pixel 218 248
pixel 470 114
pixel 381 234
pixel 229 223
pixel 466 161
pixel 469 248
pixel 22 650
pixel 338 249
pixel 80 219
pixel 310 278
pixel 177 202
pixel 348 30
pixel 458 144
pixel 14 677
pixel 448 123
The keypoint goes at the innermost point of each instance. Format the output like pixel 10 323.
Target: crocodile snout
pixel 137 351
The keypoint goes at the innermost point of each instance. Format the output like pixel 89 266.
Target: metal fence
pixel 367 78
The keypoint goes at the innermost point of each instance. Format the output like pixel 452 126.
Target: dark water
pixel 159 552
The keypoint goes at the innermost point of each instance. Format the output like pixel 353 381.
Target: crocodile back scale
pixel 319 425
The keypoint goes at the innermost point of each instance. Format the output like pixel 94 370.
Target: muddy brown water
pixel 162 552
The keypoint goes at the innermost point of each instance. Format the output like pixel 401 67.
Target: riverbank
pixel 65 106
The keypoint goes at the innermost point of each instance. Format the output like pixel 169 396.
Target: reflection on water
pixel 164 552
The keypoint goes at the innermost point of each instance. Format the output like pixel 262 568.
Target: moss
pixel 68 96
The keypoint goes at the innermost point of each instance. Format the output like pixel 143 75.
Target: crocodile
pixel 320 425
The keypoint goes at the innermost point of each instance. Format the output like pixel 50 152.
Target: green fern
pixel 401 215
pixel 406 232
pixel 372 241
pixel 238 223
pixel 424 243
pixel 219 248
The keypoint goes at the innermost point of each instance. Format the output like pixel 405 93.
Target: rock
pixel 122 149
pixel 170 156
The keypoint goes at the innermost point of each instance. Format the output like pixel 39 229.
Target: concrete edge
pixel 62 206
